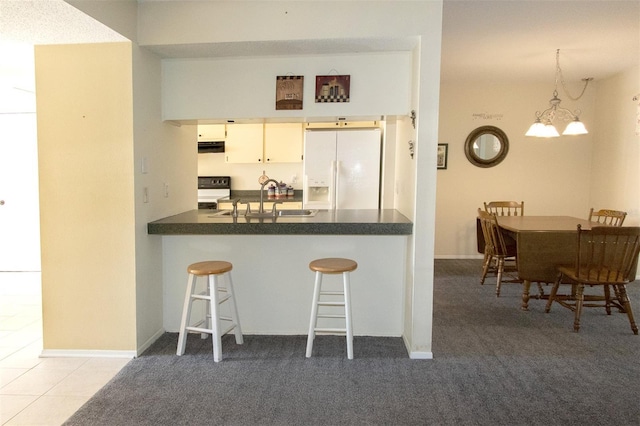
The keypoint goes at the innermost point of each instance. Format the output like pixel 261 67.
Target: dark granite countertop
pixel 325 222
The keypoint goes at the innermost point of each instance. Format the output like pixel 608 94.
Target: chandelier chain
pixel 564 86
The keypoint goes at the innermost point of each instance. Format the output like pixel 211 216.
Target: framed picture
pixel 332 88
pixel 289 91
pixel 443 151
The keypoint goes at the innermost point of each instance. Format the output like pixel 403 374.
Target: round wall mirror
pixel 486 146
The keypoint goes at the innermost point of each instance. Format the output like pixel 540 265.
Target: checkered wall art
pixel 332 88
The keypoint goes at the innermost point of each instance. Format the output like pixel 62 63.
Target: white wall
pixel 226 22
pixel 552 176
pixel 415 79
pixel 237 88
pixel 169 156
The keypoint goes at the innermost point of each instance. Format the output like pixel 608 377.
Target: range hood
pixel 210 146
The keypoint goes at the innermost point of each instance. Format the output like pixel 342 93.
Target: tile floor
pixel 34 390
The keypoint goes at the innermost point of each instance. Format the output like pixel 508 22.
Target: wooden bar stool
pixel 216 293
pixel 331 266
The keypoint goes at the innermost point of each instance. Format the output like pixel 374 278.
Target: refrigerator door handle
pixel 335 180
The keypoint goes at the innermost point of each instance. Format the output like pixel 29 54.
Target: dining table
pixel 542 243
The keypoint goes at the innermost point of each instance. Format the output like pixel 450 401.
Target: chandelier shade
pixel 543 126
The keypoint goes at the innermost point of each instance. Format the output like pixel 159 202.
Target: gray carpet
pixel 494 365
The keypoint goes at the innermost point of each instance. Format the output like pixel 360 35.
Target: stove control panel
pixel 214 182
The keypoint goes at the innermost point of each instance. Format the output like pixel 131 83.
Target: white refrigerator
pixel 342 169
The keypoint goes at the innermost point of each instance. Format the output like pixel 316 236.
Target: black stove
pixel 211 189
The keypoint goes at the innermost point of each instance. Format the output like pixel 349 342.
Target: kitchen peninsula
pixel 271 256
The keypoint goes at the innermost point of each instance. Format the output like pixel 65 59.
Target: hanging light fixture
pixel 543 126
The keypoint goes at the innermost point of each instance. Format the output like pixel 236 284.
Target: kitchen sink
pixel 304 212
pixel 222 213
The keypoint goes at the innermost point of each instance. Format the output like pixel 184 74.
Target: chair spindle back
pixel 505 208
pixel 607 253
pixel 607 217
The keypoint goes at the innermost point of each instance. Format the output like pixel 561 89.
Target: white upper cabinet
pixel 264 143
pixel 283 142
pixel 211 132
pixel 244 143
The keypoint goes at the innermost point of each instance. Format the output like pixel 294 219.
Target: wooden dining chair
pixel 611 218
pixel 502 208
pixel 505 208
pixel 607 217
pixel 496 249
pixel 606 256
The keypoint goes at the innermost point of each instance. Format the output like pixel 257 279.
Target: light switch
pixel 144 165
pixel 145 195
pixel 166 190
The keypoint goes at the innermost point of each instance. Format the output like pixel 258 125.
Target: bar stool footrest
pixel 330 330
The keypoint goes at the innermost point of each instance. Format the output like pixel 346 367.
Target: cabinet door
pixel 244 143
pixel 211 132
pixel 283 142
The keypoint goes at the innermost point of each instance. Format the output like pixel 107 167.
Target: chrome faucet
pixel 261 208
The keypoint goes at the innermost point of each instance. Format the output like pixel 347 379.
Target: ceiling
pixel 517 40
pixel 482 40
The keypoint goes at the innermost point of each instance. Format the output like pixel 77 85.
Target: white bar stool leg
pixel 234 310
pixel 207 315
pixel 314 313
pixel 215 318
pixel 186 314
pixel 347 313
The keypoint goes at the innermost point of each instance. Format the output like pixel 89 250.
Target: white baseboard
pixel 80 353
pixel 150 341
pixel 416 354
pixel 420 355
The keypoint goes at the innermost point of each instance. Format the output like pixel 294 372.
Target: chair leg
pixel 579 303
pixel 485 267
pixel 347 314
pixel 314 313
pixel 499 278
pixel 624 300
pixel 552 294
pixel 618 298
pixel 607 299
pixel 186 315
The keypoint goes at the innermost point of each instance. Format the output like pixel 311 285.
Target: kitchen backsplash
pixel 245 176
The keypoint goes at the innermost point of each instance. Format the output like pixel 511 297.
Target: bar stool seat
pixel 331 265
pixel 217 292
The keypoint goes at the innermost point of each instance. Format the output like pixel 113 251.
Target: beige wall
pixel 85 123
pixel 550 175
pixel 615 174
pixel 563 176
